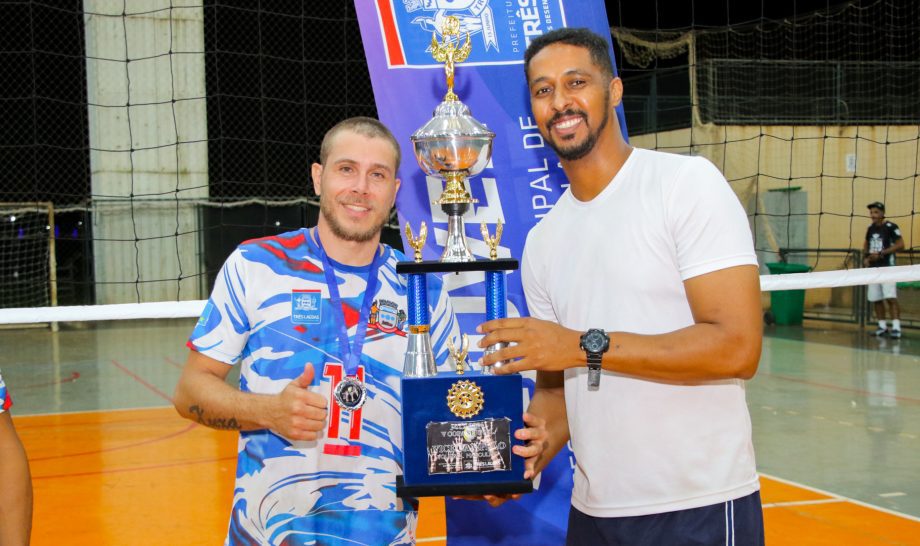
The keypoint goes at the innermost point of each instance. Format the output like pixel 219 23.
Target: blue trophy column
pixel 418 302
pixel 496 304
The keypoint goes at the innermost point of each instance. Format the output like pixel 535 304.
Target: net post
pixel 52 261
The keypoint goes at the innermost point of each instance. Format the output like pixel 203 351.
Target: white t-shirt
pixel 618 262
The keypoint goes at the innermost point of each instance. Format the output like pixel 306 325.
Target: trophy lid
pixel 452 119
pixel 452 141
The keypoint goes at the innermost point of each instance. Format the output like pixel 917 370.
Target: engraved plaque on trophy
pixel 457 426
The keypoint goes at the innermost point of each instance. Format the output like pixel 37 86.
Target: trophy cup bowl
pixel 452 142
pixel 453 145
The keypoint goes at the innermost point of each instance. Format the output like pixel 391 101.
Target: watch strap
pixel 594 377
pixel 594 370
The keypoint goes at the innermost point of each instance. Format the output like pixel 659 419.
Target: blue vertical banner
pixel 518 187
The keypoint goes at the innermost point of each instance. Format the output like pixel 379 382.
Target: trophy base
pixel 454 489
pixel 463 453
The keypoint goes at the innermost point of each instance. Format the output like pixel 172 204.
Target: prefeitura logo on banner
pixel 499 29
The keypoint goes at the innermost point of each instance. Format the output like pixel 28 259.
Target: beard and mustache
pixel 326 207
pixel 577 151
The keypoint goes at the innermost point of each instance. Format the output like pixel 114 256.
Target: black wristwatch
pixel 594 343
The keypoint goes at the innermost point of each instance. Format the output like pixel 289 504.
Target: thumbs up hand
pixel 299 414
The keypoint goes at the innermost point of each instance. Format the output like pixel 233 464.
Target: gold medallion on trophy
pixel 465 399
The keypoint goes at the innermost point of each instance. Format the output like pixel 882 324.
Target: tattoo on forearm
pixel 215 422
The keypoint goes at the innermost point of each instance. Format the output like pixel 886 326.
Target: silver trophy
pixel 445 451
pixel 453 145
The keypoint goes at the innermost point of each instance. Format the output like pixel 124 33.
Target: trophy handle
pixel 417 242
pixel 491 241
pixel 459 356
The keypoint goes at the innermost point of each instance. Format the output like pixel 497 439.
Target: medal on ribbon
pixel 350 393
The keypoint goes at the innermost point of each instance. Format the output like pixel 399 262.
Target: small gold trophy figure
pixel 417 243
pixel 459 355
pixel 492 242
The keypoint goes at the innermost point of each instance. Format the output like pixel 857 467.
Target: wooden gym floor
pixel 836 418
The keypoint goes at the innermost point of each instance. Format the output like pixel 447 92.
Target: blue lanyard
pixel 350 353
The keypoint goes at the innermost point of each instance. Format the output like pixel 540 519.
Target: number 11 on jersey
pixel 336 372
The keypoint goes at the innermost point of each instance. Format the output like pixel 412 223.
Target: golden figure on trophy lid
pixel 491 241
pixel 417 242
pixel 448 53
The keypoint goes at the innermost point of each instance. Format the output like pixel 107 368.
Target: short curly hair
pixel 581 37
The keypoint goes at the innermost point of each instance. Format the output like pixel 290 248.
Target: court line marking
pixel 100 410
pixel 142 381
pixel 28 424
pixel 801 503
pixel 59 381
pixel 173 363
pixel 135 468
pixel 168 436
pixel 860 392
pixel 836 496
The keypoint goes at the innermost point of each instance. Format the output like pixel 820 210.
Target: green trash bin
pixel 787 306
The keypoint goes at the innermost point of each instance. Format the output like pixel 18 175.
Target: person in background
pixel 883 240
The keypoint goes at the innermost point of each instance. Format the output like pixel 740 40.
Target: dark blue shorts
pixel 733 523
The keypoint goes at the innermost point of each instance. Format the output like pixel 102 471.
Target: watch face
pixel 594 341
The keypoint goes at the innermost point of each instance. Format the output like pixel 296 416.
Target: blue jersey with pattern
pixel 5 400
pixel 270 311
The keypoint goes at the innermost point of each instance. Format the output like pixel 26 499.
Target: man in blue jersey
pixel 15 481
pixel 313 317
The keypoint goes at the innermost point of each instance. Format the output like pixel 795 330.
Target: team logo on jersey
pixel 875 243
pixel 503 29
pixel 387 317
pixel 305 306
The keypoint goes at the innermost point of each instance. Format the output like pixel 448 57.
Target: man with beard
pixel 643 288
pixel 318 409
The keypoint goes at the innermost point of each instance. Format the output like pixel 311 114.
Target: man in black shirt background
pixel 883 239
